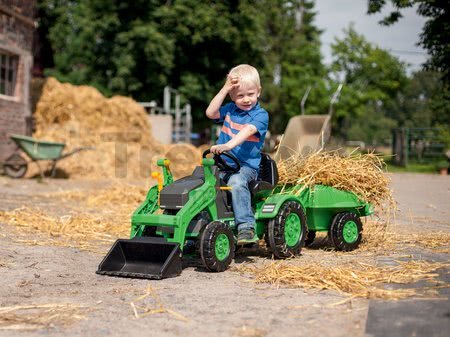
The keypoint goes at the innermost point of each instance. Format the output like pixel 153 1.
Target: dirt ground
pixel 197 303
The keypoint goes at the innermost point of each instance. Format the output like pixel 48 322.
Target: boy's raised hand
pixel 231 83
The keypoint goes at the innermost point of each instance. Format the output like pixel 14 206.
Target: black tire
pixel 345 231
pixel 280 245
pixel 15 171
pixel 15 166
pixel 310 238
pixel 215 258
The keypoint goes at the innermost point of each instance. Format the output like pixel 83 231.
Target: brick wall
pixel 16 37
pixel 11 121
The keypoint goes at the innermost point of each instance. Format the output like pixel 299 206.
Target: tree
pixel 137 47
pixel 293 61
pixel 373 78
pixel 107 44
pixel 435 33
pixel 414 105
pixel 210 37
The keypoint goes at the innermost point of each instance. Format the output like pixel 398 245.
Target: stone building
pixel 17 25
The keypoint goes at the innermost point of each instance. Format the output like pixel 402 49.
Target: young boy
pixel 244 128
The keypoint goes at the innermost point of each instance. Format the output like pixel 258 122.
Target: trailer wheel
pixel 217 246
pixel 345 231
pixel 310 238
pixel 287 231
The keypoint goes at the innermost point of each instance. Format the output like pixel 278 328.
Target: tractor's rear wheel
pixel 345 231
pixel 217 246
pixel 287 231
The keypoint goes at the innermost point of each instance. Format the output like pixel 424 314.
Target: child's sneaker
pixel 246 236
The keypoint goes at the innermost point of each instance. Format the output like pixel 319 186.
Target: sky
pixel 399 39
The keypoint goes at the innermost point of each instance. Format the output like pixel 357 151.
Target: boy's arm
pixel 212 111
pixel 240 137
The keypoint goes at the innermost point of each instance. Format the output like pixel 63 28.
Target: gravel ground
pixel 196 303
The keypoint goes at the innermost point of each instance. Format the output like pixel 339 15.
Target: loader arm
pixel 201 198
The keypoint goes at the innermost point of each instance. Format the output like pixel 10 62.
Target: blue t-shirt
pixel 234 119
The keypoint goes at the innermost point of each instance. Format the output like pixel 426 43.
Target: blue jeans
pixel 241 197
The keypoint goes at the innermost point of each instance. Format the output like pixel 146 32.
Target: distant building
pixel 17 26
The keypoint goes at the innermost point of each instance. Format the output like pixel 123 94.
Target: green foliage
pixel 444 135
pixel 293 61
pixel 373 78
pixel 435 33
pixel 421 102
pixel 137 47
pixel 412 167
pixel 107 44
pixel 373 127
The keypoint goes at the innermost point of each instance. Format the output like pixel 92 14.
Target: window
pixel 8 73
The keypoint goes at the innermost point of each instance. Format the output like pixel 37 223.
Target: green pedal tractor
pixel 195 213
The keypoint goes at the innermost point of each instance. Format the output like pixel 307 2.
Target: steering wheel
pixel 222 164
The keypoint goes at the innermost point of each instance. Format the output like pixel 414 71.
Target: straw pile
pixel 119 198
pixel 352 278
pixel 81 230
pixel 101 217
pixel 36 316
pixel 361 174
pixel 118 128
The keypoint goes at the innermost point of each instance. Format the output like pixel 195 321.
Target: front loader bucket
pixel 151 258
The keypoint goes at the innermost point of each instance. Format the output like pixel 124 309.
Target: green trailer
pixel 195 213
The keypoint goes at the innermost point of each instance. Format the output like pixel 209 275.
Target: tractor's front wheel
pixel 345 231
pixel 217 246
pixel 286 232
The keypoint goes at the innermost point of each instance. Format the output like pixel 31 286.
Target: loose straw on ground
pixel 84 231
pixel 111 209
pixel 377 236
pixel 354 279
pixel 36 316
pixel 120 197
pixel 142 308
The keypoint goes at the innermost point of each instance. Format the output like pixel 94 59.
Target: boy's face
pixel 245 96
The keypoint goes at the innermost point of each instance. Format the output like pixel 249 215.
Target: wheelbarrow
pixel 16 166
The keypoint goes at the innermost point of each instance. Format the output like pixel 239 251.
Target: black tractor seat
pixel 267 176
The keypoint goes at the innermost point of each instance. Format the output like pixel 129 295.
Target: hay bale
pixel 202 148
pixel 117 127
pixel 183 159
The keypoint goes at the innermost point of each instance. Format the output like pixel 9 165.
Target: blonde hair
pixel 247 74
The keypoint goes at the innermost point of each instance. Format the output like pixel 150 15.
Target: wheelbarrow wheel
pixel 15 166
pixel 217 246
pixel 345 231
pixel 287 231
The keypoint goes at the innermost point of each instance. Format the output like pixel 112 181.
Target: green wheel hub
pixel 222 247
pixel 292 229
pixel 350 232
